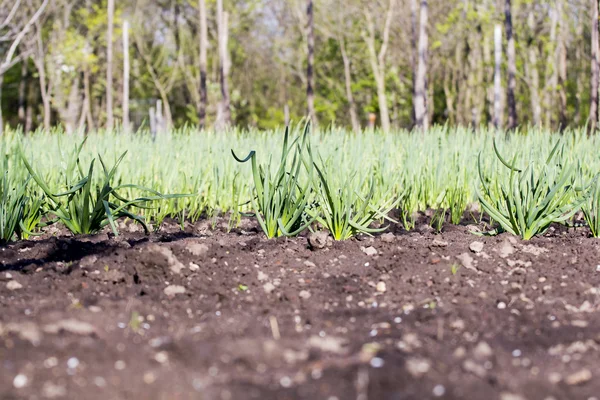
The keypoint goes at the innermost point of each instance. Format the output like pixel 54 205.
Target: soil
pixel 207 314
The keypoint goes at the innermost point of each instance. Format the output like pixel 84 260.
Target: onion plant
pixel 280 200
pixel 88 206
pixel 591 208
pixel 528 200
pixel 343 210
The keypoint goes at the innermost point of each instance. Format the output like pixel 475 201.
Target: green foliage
pixel 280 200
pixel 344 211
pixel 591 208
pixel 528 200
pixel 87 206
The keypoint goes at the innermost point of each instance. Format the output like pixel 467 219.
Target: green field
pixel 367 172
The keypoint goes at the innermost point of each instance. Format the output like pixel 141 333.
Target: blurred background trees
pixel 165 63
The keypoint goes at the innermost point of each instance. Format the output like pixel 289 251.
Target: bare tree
pixel 593 119
pixel 17 30
pixel 310 78
pixel 497 76
pixel 224 114
pixel 378 59
pixel 203 33
pixel 420 102
pixel 532 70
pixel 126 123
pixel 109 67
pixel 414 53
pixel 512 65
pixel 348 80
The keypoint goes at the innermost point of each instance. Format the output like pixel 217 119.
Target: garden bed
pixel 203 313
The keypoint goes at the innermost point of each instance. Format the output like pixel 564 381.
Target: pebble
pixel 388 237
pixel 285 382
pixel 268 287
pixel 318 240
pixel 377 362
pixel 173 290
pixel 13 285
pixel 304 294
pixel 149 378
pixel 439 390
pixel 20 381
pixel 439 243
pixel 194 267
pixel 597 268
pixel 417 367
pixel 161 357
pixel 370 251
pixel 262 276
pixel 511 396
pixel 579 377
pixel 72 363
pixel 476 247
pixel 501 305
pixel 120 365
pixel 310 264
pixel 483 351
pixel 381 288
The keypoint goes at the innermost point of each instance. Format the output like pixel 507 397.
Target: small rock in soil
pixel 13 285
pixel 172 290
pixel 370 251
pixel 439 243
pixel 310 264
pixel 531 249
pixel 505 249
pixel 174 264
pixel 418 367
pixel 381 287
pixel 262 276
pixel 388 237
pixel 482 351
pixel 476 247
pixel 197 249
pixel 474 368
pixel 304 294
pixel 20 381
pixel 318 240
pixel 511 396
pixel 268 287
pixel 328 344
pixel 70 325
pixel 467 261
pixel 579 377
pixel 194 267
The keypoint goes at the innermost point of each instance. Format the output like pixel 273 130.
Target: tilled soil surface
pixel 205 314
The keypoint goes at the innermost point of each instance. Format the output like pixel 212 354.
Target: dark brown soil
pixel 427 317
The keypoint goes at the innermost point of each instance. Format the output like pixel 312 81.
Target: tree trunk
pixel 413 53
pixel 497 77
pixel 203 63
pixel 579 76
pixel 512 66
pixel 551 72
pixel 593 118
pixel 562 63
pixel 31 99
pixel 310 78
pixel 421 115
pixel 532 71
pixel 22 91
pixel 349 95
pixel 224 117
pixel 109 67
pixel 126 123
pixel 1 117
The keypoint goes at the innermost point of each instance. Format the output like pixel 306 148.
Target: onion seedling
pixel 280 201
pixel 530 199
